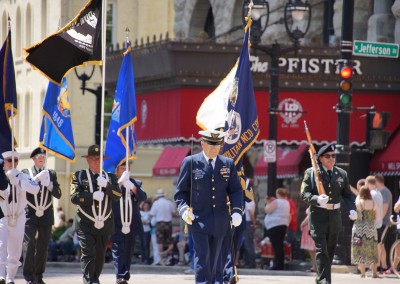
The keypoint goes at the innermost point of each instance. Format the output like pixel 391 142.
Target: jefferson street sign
pixel 375 49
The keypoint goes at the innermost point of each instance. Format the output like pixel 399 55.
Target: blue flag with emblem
pixel 242 119
pixel 56 131
pixel 8 96
pixel 123 118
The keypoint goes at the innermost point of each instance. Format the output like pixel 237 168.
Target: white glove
pixel 353 215
pixel 43 177
pixel 323 200
pixel 188 216
pixel 236 219
pixel 125 176
pixel 98 195
pixel 128 184
pixel 102 182
pixel 12 173
pixel 14 181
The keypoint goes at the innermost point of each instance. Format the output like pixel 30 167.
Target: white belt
pixel 91 217
pixel 37 207
pixel 331 206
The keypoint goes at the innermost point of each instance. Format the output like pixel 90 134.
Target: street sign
pixel 270 151
pixel 375 49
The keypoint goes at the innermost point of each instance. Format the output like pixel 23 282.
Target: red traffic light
pixel 346 72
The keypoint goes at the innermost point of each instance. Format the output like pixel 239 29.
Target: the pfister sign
pixel 304 65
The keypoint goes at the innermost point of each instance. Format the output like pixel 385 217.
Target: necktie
pixel 11 196
pixel 210 165
pixel 329 174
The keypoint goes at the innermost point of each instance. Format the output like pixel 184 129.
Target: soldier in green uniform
pixel 325 216
pixel 94 221
pixel 39 217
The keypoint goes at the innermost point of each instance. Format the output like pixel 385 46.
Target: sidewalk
pixel 295 267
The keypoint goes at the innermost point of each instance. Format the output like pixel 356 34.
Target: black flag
pixel 77 43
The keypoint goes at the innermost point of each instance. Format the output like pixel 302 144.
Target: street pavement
pixel 69 273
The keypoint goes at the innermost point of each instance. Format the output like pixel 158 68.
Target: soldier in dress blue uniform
pixel 93 194
pixel 128 223
pixel 206 181
pixel 39 217
pixel 325 217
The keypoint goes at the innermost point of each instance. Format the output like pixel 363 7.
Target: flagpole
pixel 127 129
pixel 103 87
pixel 12 136
pixel 127 146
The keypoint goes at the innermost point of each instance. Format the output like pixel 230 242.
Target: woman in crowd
pixel 146 238
pixel 276 221
pixel 307 243
pixel 364 251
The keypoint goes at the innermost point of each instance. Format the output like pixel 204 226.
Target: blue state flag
pixel 8 94
pixel 123 118
pixel 56 131
pixel 242 120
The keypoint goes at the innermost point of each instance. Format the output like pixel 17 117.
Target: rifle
pixel 313 154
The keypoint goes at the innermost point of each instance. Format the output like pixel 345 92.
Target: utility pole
pixel 343 109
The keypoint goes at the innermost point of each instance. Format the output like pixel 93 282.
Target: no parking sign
pixel 270 151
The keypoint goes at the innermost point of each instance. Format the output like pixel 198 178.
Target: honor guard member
pixel 128 223
pixel 39 217
pixel 94 221
pixel 206 180
pixel 12 227
pixel 325 217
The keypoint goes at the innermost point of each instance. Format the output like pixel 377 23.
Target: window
pixel 111 25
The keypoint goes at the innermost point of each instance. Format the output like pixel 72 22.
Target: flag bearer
pixel 39 217
pixel 93 194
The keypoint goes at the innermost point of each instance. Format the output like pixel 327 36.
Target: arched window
pixel 18 34
pixel 28 26
pixel 27 119
pixel 4 26
pixel 202 20
pixel 43 15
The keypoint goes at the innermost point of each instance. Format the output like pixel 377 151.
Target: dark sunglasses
pixel 327 156
pixel 10 160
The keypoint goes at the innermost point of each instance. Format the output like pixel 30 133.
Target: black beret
pixel 326 149
pixel 38 150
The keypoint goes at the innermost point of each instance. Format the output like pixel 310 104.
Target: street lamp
pixel 297 17
pixel 97 92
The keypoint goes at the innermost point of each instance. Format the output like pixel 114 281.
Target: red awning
pixel 387 161
pixel 287 164
pixel 169 162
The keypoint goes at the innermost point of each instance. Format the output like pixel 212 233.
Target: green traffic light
pixel 345 99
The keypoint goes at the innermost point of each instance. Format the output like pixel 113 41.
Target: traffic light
pixel 377 137
pixel 345 87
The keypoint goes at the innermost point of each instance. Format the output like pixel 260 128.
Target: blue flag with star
pixel 8 94
pixel 56 131
pixel 242 120
pixel 123 118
